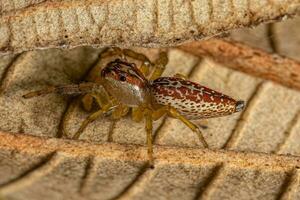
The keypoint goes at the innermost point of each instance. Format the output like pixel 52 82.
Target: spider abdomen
pixel 193 100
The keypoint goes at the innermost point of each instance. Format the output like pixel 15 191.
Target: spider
pixel 148 94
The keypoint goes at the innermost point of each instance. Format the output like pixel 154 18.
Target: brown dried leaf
pixel 35 165
pixel 26 25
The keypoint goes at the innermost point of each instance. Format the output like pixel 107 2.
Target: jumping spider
pixel 148 94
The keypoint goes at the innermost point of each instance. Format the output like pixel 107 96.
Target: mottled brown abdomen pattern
pixel 192 100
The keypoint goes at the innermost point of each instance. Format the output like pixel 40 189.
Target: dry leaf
pixel 35 164
pixel 26 25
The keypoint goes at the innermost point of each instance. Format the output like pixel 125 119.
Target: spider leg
pixel 146 63
pixel 159 65
pixel 101 97
pixel 149 130
pixel 120 111
pixel 90 119
pixel 115 51
pixel 174 113
pixel 48 90
pixel 159 112
pixel 182 76
pixel 137 114
pixel 135 55
pixel 71 89
pixel 145 68
pixel 150 116
pixel 105 104
pixel 87 102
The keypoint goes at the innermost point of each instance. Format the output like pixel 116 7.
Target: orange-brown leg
pixel 137 114
pixel 71 89
pixel 149 130
pixel 174 113
pixel 105 104
pixel 120 111
pixel 159 65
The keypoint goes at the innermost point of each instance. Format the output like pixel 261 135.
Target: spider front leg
pixel 105 104
pixel 146 63
pixel 109 52
pixel 136 55
pixel 159 64
pixel 88 120
pixel 115 51
pixel 72 89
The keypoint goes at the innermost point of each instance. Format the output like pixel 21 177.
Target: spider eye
pixel 122 78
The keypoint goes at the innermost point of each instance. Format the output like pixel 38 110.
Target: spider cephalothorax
pixel 126 83
pixel 149 97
